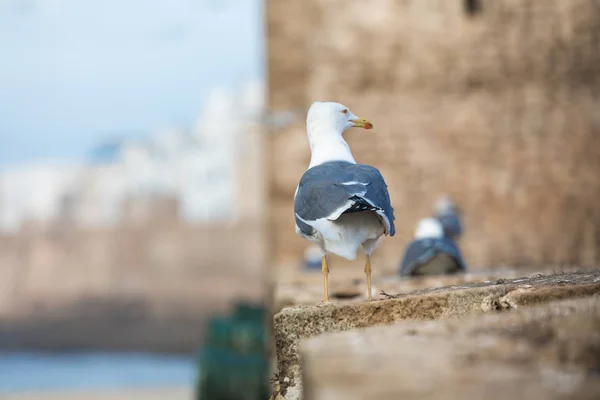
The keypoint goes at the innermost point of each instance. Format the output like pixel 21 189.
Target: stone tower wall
pixel 498 106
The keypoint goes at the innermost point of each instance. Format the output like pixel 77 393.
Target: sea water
pixel 63 371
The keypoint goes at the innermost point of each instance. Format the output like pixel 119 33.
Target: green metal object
pixel 232 364
pixel 250 312
pixel 218 332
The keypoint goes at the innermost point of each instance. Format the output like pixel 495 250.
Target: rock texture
pixel 294 324
pixel 545 352
pixel 294 288
pixel 496 107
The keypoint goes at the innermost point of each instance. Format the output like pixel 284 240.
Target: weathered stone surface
pixel 298 287
pixel 293 324
pixel 545 352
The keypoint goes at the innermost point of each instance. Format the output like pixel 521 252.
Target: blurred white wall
pixel 204 169
pixel 33 193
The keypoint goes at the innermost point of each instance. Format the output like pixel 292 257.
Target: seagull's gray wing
pixel 451 225
pixel 334 188
pixel 318 198
pixel 421 251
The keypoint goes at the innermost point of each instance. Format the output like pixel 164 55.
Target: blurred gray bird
pixel 431 253
pixel 448 214
pixel 340 205
pixel 312 257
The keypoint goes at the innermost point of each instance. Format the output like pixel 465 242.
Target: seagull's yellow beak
pixel 362 123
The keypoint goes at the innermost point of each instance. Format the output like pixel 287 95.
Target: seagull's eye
pixel 345 111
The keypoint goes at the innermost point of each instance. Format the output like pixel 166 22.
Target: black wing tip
pixel 359 204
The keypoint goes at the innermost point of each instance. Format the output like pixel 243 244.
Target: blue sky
pixel 77 72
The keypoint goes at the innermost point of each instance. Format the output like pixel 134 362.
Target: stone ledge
pixel 293 324
pixel 295 287
pixel 545 352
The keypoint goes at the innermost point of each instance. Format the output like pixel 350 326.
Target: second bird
pixel 431 252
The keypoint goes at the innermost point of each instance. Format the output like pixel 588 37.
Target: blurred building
pixel 492 102
pixel 166 230
pixel 33 193
pixel 209 173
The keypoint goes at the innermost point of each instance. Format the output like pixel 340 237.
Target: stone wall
pixel 331 371
pixel 496 107
pixel 154 284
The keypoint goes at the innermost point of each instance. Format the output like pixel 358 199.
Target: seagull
pixel 340 205
pixel 447 213
pixel 431 252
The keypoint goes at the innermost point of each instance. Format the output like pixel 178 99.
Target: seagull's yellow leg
pixel 368 272
pixel 325 270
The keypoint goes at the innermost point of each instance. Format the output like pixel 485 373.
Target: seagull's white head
pixel 429 228
pixel 328 117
